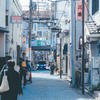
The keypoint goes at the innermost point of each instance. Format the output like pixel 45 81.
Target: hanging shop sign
pixel 16 19
pixel 79 10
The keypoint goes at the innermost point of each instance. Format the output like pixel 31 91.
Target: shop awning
pixel 3 30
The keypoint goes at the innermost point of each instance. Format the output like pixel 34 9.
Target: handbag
pixel 4 84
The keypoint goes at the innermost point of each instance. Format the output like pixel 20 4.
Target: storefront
pixel 2 41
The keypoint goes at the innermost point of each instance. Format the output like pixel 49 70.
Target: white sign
pixel 35 27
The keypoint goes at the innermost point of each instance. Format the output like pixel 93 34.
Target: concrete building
pixel 13 39
pixel 92 41
pixel 2 27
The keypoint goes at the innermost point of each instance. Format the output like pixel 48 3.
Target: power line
pixel 62 13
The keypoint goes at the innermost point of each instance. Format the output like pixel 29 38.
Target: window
pixel 95 6
pixel 6 20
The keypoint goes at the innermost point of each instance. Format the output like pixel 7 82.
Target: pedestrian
pixel 23 70
pixel 14 83
pixel 28 66
pixel 29 71
pixel 52 68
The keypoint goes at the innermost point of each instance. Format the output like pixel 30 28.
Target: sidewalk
pixel 94 94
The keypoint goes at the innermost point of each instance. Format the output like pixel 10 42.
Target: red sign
pixel 24 40
pixel 16 19
pixel 79 10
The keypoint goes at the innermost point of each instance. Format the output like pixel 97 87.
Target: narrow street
pixel 50 87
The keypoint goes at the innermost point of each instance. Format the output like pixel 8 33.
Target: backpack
pixel 24 64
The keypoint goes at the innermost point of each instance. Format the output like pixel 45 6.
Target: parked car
pixel 41 65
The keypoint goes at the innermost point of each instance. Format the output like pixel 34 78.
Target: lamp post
pixel 60 36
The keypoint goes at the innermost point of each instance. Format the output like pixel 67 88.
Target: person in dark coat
pixel 14 83
pixel 52 68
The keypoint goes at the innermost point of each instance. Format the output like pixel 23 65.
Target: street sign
pixel 24 40
pixel 32 41
pixel 39 43
pixel 35 27
pixel 27 42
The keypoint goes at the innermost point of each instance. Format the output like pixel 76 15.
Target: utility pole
pixel 30 29
pixel 50 29
pixel 60 58
pixel 82 46
pixel 72 44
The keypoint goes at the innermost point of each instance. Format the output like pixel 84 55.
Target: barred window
pixel 95 6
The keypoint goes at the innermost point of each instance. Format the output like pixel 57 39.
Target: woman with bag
pixel 13 81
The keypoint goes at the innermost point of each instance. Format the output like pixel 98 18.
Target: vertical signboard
pixel 27 43
pixel 79 10
pixel 24 40
pixel 35 27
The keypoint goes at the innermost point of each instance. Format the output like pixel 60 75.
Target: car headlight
pixel 44 65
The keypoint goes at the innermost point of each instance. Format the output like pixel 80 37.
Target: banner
pixel 79 10
pixel 24 40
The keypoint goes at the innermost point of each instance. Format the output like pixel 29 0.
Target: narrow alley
pixel 50 87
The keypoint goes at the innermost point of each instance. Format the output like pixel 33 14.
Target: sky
pixel 25 3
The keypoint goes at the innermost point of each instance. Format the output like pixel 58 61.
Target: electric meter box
pixel 95 79
pixel 95 62
pixel 86 78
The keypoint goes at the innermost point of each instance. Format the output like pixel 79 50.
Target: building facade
pixel 13 39
pixel 2 25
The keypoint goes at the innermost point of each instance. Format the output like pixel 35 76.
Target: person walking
pixel 14 83
pixel 52 68
pixel 23 70
pixel 29 71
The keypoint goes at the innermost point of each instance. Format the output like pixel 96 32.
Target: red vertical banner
pixel 79 10
pixel 24 40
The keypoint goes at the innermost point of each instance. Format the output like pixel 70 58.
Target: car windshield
pixel 41 62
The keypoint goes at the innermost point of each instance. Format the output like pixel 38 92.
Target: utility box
pixel 95 62
pixel 86 78
pixel 95 79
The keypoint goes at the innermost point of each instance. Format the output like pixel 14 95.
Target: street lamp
pixel 55 22
pixel 60 36
pixel 49 24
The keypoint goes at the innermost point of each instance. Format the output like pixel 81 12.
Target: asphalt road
pixel 50 87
